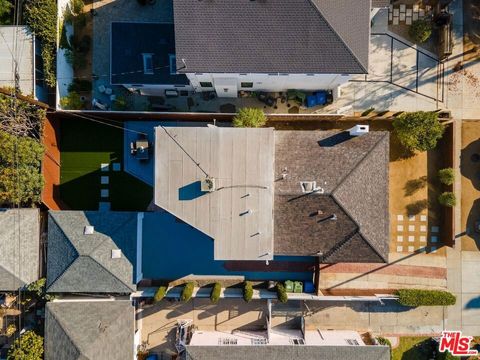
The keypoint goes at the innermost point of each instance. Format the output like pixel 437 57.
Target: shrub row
pixel 247 291
pixel 187 291
pixel 160 293
pixel 416 297
pixel 282 293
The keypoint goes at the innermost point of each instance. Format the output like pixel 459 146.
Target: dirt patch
pixel 470 169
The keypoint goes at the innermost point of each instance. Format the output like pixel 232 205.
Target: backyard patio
pixel 91 172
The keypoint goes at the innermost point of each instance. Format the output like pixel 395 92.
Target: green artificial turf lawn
pixel 407 350
pixel 84 145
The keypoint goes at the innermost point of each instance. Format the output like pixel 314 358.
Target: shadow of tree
pixel 424 350
pixel 417 207
pixel 412 186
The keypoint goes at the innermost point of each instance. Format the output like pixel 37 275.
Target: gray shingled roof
pixel 89 330
pixel 272 36
pixel 353 173
pixel 285 352
pixel 19 247
pixel 83 263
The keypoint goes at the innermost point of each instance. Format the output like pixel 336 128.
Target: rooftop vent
pixel 359 130
pixel 208 185
pixel 310 186
pixel 116 253
pixel 88 230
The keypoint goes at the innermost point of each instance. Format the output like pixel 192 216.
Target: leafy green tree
pixel 249 117
pixel 41 16
pixel 6 7
pixel 19 117
pixel 21 181
pixel 420 30
pixel 446 176
pixel 418 130
pixel 447 199
pixel 29 346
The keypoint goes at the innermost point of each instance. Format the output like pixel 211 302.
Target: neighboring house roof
pixel 89 330
pixel 241 162
pixel 353 173
pixel 19 247
pixel 17 44
pixel 286 352
pixel 303 36
pixel 130 41
pixel 84 263
pixel 380 3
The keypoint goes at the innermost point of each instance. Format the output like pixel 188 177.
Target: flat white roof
pixel 238 215
pixel 22 52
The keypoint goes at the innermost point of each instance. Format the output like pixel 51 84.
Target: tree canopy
pixel 6 7
pixel 21 181
pixel 418 130
pixel 29 346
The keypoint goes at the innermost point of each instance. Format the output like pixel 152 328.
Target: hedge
pixel 187 291
pixel 247 291
pixel 447 199
pixel 416 297
pixel 215 294
pixel 446 176
pixel 160 294
pixel 282 293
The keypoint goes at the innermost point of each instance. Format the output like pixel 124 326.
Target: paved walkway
pixel 386 318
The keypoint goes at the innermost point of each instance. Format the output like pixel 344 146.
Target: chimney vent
pixel 88 230
pixel 359 130
pixel 116 253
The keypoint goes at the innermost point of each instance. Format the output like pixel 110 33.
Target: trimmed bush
pixel 418 130
pixel 160 294
pixel 446 176
pixel 282 293
pixel 447 199
pixel 215 294
pixel 247 291
pixel 417 297
pixel 187 291
pixel 420 30
pixel 249 117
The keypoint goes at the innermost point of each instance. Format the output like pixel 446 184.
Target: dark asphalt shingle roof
pixel 19 247
pixel 273 36
pixel 130 41
pixel 353 173
pixel 89 330
pixel 83 263
pixel 285 352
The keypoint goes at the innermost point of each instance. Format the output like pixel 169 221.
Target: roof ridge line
pixel 371 246
pixel 65 331
pixel 115 276
pixel 71 245
pixel 367 156
pixel 338 35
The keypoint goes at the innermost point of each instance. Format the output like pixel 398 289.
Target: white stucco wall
pixel 273 82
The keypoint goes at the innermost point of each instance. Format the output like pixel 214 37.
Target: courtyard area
pixel 91 172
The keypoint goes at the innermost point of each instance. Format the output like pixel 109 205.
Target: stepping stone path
pixel 414 230
pixel 105 182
